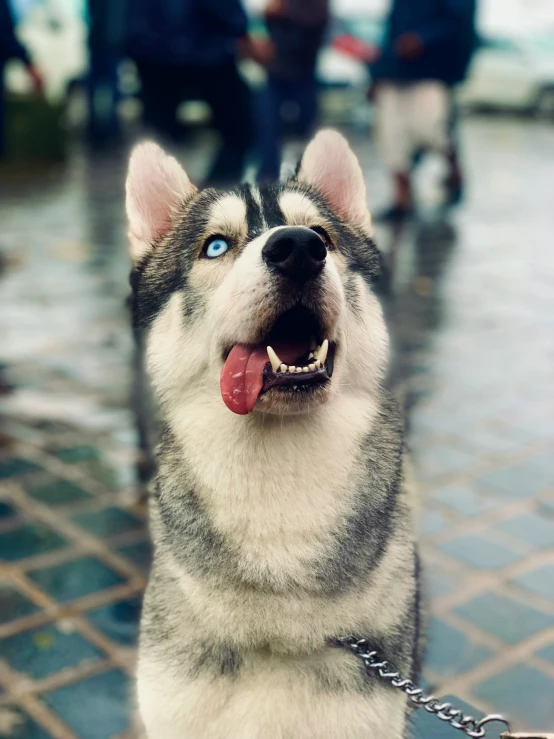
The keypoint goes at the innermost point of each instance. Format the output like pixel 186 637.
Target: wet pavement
pixel 471 309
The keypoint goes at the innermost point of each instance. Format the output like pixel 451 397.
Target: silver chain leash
pixel 444 711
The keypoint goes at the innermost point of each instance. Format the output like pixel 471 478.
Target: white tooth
pixel 292 368
pixel 317 363
pixel 311 355
pixel 322 353
pixel 274 359
pixel 283 368
pixel 298 369
pixel 311 367
pixel 305 369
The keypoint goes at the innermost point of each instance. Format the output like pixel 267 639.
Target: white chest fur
pixel 273 487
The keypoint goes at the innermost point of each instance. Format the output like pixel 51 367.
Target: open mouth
pixel 293 358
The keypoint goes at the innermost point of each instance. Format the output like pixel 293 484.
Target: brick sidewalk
pixel 472 317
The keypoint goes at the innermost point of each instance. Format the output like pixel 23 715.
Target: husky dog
pixel 281 516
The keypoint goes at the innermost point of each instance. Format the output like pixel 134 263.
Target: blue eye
pixel 216 248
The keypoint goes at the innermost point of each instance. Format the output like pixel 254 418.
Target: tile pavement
pixel 471 313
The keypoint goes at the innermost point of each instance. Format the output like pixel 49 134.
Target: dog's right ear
pixel 156 186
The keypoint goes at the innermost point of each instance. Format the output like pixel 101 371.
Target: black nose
pixel 295 251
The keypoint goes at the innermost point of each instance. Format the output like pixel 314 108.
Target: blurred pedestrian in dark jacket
pixel 187 49
pixel 297 29
pixel 427 50
pixel 11 48
pixel 106 38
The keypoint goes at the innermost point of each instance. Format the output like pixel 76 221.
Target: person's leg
pixel 429 112
pixel 2 113
pixel 302 97
pixel 454 180
pixel 227 94
pixel 433 110
pixel 160 95
pixel 5 385
pixel 395 144
pixel 112 80
pixel 103 95
pixel 403 191
pixel 269 131
pixel 306 97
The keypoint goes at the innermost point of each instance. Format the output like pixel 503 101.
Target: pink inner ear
pixel 154 203
pixel 330 165
pixel 156 185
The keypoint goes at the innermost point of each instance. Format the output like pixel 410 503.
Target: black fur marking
pixel 218 659
pixel 188 530
pixel 253 212
pixel 329 681
pixel 273 214
pixel 351 295
pixel 153 283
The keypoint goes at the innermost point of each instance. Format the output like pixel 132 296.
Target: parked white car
pixel 513 75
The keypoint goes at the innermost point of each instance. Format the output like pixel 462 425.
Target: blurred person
pixel 187 49
pixel 11 48
pixel 296 29
pixel 107 22
pixel 427 50
pixel 6 386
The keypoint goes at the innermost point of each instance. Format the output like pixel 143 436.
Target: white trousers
pixel 411 117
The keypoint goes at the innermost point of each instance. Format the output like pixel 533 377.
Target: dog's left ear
pixel 329 164
pixel 156 187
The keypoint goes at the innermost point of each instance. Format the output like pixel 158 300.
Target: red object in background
pixel 354 47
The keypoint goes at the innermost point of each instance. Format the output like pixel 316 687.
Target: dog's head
pixel 257 298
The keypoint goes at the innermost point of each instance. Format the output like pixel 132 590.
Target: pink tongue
pixel 242 374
